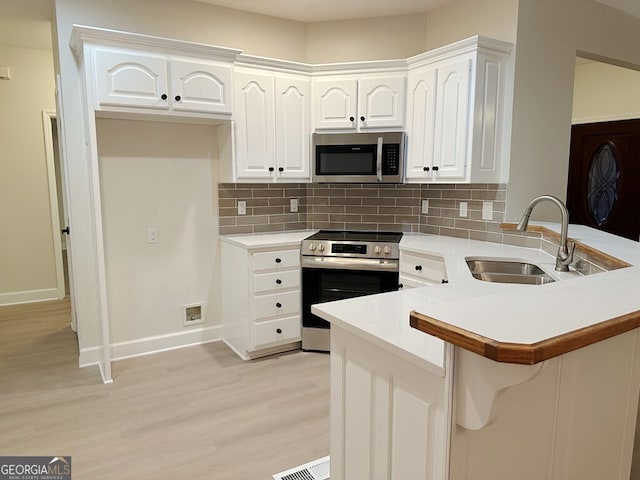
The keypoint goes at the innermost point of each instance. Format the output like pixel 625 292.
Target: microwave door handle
pixel 379 160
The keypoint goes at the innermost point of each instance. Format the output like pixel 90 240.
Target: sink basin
pixel 507 271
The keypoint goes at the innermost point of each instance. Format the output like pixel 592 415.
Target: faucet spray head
pixel 524 221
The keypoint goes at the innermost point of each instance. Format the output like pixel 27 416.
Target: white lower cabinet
pixel 418 269
pixel 261 306
pixel 388 416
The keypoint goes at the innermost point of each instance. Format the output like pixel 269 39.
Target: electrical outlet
pixel 425 207
pixel 463 209
pixel 242 207
pixel 294 205
pixel 487 210
pixel 152 234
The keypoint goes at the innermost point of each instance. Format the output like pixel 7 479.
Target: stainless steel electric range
pixel 344 264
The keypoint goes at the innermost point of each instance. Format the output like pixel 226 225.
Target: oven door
pixel 321 285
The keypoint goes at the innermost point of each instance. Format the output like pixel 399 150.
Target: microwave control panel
pixel 391 159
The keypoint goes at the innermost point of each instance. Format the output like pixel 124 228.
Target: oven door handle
pixel 379 160
pixel 370 264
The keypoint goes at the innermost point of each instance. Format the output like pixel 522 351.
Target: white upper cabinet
pixel 161 82
pixel 271 126
pixel 132 80
pixel 254 114
pixel 292 126
pixel 201 87
pixel 456 113
pixel 367 102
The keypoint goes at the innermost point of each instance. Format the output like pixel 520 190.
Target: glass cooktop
pixel 356 236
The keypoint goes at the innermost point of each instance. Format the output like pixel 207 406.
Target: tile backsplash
pixel 369 207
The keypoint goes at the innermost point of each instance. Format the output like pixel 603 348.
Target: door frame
pixel 47 118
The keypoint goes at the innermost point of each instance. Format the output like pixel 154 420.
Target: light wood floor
pixel 194 413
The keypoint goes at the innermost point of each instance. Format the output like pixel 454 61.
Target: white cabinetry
pixel 388 416
pixel 272 126
pixel 262 299
pixel 365 102
pixel 418 269
pixel 456 113
pixel 147 80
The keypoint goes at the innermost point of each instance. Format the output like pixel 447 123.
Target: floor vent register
pixel 316 470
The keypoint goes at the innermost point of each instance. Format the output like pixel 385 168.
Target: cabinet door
pixel 452 119
pixel 130 80
pixel 381 102
pixel 335 104
pixel 200 87
pixel 292 128
pixel 254 125
pixel 421 116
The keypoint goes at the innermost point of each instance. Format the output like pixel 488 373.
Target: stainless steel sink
pixel 507 271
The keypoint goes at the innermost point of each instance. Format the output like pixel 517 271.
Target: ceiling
pixel 26 23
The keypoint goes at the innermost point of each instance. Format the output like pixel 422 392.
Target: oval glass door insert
pixel 602 189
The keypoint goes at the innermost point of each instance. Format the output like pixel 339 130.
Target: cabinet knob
pixel 281 169
pixel 279 305
pixel 163 96
pixel 418 267
pixel 445 281
pixel 178 98
pixel 351 119
pixel 400 286
pixel 436 168
pixel 271 169
pixel 425 169
pixel 278 260
pixel 278 330
pixel 362 119
pixel 278 281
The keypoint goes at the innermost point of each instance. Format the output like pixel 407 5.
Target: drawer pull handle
pixel 418 267
pixel 278 281
pixel 278 330
pixel 279 305
pixel 278 260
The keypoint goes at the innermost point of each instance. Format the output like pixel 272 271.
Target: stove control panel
pixel 350 249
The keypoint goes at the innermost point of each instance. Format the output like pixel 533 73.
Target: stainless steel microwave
pixel 358 157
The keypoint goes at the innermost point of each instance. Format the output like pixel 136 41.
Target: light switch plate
pixel 463 209
pixel 294 204
pixel 487 210
pixel 425 207
pixel 152 234
pixel 242 207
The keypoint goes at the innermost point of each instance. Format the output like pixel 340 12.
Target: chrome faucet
pixel 564 256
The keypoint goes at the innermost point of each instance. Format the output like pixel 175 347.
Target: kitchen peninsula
pixel 408 404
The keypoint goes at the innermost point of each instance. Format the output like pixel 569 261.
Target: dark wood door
pixel 603 190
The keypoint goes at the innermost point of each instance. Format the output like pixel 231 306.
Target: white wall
pixel 26 243
pixel 549 35
pixel 603 92
pixel 465 18
pixel 366 39
pixel 156 174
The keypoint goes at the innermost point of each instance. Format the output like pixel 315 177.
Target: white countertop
pixel 522 314
pixel 269 239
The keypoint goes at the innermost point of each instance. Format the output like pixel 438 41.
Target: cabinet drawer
pixel 412 282
pixel 276 281
pixel 276 305
pixel 277 260
pixel 423 268
pixel 277 331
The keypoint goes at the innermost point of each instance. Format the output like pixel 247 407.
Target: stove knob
pixel 386 250
pixel 312 246
pixel 321 247
pixel 377 249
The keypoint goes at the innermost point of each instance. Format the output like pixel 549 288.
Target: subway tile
pixel 361 209
pixel 489 195
pixel 243 193
pixel 430 229
pixel 471 224
pixel 454 232
pixel 379 201
pixel 442 203
pixel 284 218
pixel 340 217
pixel 407 219
pixel 336 192
pixel 395 210
pixel 235 229
pixel 272 227
pixel 252 220
pixel 457 194
pixel 226 221
pixel 226 202
pixel 408 201
pixel 345 201
pixel 267 211
pixel 317 201
pixel 521 241
pixel 227 212
pixel 295 226
pixel 268 193
pixel 485 236
pixel 257 202
pixel 441 222
pixel 431 193
pixel 328 209
pixel 317 217
pixel 378 218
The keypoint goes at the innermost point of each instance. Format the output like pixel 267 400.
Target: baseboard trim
pixel 149 345
pixel 29 296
